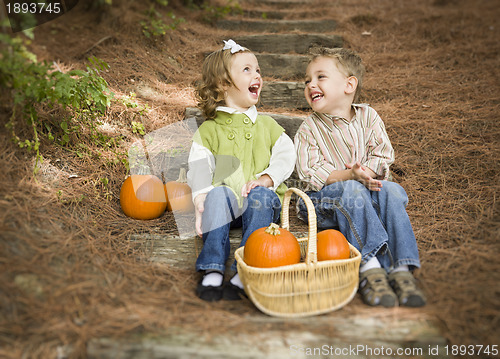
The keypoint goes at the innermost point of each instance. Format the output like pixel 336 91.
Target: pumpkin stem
pixel 182 176
pixel 273 229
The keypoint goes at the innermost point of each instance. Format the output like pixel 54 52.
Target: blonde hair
pixel 347 61
pixel 215 77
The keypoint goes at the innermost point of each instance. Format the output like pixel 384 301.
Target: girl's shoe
pixel 375 289
pixel 232 292
pixel 209 293
pixel 405 286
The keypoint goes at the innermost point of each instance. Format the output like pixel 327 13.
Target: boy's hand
pixel 263 181
pixel 361 174
pixel 199 207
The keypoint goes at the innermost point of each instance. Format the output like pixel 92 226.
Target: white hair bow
pixel 230 44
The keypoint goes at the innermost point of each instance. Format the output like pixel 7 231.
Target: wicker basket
pixel 303 289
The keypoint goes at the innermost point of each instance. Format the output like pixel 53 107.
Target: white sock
pixel 372 263
pixel 237 281
pixel 403 268
pixel 213 279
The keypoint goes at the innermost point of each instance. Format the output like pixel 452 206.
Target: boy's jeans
pixel 376 223
pixel 261 207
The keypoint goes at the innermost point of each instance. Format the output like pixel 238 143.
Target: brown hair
pixel 347 60
pixel 215 77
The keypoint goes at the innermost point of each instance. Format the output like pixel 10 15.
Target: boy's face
pixel 327 88
pixel 245 73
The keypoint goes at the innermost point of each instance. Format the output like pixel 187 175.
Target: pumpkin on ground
pixel 143 197
pixel 271 247
pixel 178 194
pixel 332 244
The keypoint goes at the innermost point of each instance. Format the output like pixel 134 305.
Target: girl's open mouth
pixel 254 89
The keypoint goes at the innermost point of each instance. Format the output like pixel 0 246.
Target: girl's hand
pixel 199 207
pixel 263 181
pixel 361 174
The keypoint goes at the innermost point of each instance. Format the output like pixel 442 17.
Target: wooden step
pixel 262 14
pixel 288 13
pixel 283 94
pixel 354 336
pixel 176 251
pixel 287 43
pixel 181 252
pixel 283 66
pixel 278 4
pixel 320 26
pixel 355 331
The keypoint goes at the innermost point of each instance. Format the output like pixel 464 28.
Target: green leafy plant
pixel 155 25
pixel 81 95
pixel 138 127
pixel 212 13
pixel 65 199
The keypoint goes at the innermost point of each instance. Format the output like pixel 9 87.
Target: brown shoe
pixel 375 289
pixel 405 286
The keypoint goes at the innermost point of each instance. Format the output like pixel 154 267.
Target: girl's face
pixel 327 88
pixel 245 73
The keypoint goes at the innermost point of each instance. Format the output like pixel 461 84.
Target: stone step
pixel 289 123
pixel 314 26
pixel 283 94
pixel 283 66
pixel 287 43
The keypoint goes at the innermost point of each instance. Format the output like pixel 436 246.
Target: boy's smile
pixel 316 96
pixel 245 73
pixel 328 90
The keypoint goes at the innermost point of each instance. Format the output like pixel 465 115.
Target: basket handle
pixel 312 252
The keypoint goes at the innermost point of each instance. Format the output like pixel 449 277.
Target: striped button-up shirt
pixel 327 143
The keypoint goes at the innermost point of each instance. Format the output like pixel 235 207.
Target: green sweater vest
pixel 241 148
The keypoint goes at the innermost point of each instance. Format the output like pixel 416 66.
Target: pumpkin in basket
pixel 179 194
pixel 332 245
pixel 271 247
pixel 143 197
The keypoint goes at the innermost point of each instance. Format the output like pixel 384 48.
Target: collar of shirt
pixel 329 120
pixel 251 112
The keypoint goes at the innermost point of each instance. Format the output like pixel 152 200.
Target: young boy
pixel 344 154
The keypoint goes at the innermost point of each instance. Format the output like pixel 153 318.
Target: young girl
pixel 237 164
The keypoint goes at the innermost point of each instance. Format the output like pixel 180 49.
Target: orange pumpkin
pixel 332 245
pixel 179 194
pixel 271 247
pixel 143 197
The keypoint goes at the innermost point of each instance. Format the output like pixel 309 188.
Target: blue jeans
pixel 261 208
pixel 376 223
